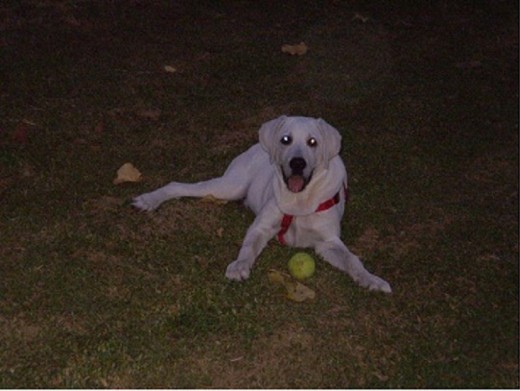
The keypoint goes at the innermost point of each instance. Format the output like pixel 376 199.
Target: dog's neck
pixel 319 189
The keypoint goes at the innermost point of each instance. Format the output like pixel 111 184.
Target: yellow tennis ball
pixel 301 266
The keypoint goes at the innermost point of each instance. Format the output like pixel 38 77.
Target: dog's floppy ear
pixel 330 140
pixel 269 138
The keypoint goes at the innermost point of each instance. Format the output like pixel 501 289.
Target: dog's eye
pixel 312 142
pixel 286 140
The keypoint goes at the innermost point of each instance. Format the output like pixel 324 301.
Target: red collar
pixel 287 219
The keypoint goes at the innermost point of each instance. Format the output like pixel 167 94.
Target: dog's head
pixel 299 146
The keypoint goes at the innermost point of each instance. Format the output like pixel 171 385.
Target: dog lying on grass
pixel 296 183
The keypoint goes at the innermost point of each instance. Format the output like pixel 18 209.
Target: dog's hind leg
pixel 224 188
pixel 233 185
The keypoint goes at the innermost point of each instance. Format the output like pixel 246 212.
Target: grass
pixel 93 294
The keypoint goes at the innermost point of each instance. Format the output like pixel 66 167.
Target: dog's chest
pixel 306 231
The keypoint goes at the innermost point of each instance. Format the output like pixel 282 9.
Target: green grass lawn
pixel 96 294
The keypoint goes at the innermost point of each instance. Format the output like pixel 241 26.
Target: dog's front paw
pixel 238 270
pixel 374 283
pixel 146 202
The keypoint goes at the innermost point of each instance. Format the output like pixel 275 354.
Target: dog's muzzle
pixel 297 181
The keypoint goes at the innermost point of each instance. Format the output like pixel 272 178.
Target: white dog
pixel 296 184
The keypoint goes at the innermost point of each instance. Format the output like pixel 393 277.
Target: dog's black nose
pixel 297 164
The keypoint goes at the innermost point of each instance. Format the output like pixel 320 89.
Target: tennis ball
pixel 301 266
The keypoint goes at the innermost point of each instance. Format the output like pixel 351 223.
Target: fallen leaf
pixel 362 18
pixel 27 171
pixel 127 173
pixel 213 200
pixel 298 50
pixel 296 291
pixel 170 69
pixel 489 257
pixel 72 21
pixel 275 277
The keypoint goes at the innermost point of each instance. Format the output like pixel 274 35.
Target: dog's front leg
pixel 259 233
pixel 337 254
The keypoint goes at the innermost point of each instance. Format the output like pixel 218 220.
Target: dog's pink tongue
pixel 295 183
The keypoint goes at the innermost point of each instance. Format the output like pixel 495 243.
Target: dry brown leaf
pixel 170 69
pixel 275 276
pixel 213 200
pixel 127 173
pixel 295 50
pixel 362 18
pixel 296 291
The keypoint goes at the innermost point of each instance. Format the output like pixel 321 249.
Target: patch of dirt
pixel 368 242
pixel 199 215
pixel 103 204
pixel 293 357
pixel 72 324
pixel 19 328
pixel 406 240
pixel 274 359
pixel 195 215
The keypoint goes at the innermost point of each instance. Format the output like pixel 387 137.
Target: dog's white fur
pixel 260 177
